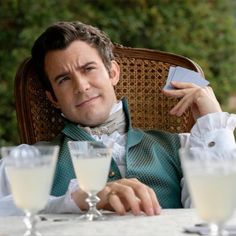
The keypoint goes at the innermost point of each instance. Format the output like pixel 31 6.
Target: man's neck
pixel 115 122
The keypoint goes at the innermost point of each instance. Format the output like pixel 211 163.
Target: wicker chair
pixel 143 74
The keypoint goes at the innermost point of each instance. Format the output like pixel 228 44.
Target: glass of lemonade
pixel 91 161
pixel 30 171
pixel 211 178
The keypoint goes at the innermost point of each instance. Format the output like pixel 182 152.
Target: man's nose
pixel 80 84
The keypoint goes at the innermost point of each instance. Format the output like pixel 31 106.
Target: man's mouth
pixel 86 101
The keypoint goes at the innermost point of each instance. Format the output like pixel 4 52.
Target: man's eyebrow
pixel 78 68
pixel 87 64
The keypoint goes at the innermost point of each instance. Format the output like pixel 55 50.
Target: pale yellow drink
pixel 214 194
pixel 92 172
pixel 30 186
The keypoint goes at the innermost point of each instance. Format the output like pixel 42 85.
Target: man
pixel 78 71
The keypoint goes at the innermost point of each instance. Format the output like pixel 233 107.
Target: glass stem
pixel 216 230
pixel 92 201
pixel 30 222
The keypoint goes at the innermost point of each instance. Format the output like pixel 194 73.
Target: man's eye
pixel 89 68
pixel 62 79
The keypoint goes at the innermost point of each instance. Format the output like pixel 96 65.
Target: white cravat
pixel 115 122
pixel 113 131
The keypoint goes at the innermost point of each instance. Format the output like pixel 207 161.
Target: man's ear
pixel 52 99
pixel 114 73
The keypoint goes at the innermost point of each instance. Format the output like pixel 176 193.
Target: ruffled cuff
pixel 215 131
pixel 63 204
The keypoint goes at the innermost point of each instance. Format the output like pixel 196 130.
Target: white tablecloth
pixel 171 222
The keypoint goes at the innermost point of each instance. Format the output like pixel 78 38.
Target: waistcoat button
pixel 112 174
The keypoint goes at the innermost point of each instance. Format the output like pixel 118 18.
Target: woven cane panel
pixel 46 120
pixel 141 83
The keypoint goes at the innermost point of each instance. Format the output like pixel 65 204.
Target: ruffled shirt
pixel 213 131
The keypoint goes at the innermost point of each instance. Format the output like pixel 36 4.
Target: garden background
pixel 203 30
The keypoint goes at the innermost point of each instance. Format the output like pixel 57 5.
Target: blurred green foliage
pixel 203 30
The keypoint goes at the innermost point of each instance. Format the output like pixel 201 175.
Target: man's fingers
pixel 116 203
pixel 182 106
pixel 179 93
pixel 181 90
pixel 148 201
pixel 201 100
pixel 129 195
pixel 155 202
pixel 150 205
pixel 141 195
pixel 183 85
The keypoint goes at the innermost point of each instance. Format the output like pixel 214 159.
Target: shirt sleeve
pixel 63 204
pixel 213 131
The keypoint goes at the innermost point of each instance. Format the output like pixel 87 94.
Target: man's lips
pixel 86 101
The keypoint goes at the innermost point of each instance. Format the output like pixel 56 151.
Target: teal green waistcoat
pixel 151 156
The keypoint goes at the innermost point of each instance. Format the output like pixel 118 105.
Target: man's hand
pixel 201 100
pixel 122 196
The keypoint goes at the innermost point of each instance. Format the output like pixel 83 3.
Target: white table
pixel 171 222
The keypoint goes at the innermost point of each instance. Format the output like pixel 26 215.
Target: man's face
pixel 81 83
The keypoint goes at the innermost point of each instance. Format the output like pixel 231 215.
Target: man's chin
pixel 91 122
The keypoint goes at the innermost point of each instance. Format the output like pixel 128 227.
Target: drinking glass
pixel 91 161
pixel 211 179
pixel 30 171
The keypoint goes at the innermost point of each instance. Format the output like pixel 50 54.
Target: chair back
pixel 143 75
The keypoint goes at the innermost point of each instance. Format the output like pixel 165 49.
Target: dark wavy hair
pixel 59 36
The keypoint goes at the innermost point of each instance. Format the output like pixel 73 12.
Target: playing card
pixel 181 74
pixel 169 78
